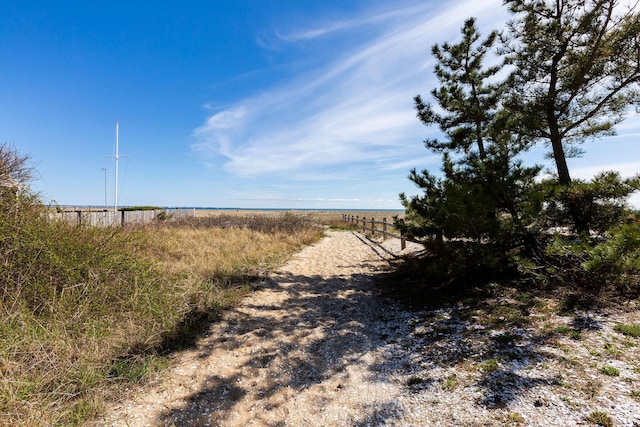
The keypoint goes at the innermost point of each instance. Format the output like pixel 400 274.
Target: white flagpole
pixel 117 157
pixel 115 198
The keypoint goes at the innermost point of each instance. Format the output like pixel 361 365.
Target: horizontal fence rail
pixel 370 225
pixel 110 218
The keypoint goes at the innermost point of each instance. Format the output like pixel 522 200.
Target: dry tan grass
pixel 321 216
pixel 328 218
pixel 58 364
pixel 214 252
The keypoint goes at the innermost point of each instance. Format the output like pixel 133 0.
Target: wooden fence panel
pixel 104 219
pixel 111 218
pixel 139 217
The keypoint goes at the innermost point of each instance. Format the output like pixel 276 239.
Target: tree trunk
pixel 560 158
pixel 564 179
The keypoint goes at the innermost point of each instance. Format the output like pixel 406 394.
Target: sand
pixel 316 346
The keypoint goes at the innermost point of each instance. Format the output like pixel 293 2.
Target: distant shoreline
pixel 201 208
pixel 295 209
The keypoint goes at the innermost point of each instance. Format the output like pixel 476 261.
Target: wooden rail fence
pixel 370 225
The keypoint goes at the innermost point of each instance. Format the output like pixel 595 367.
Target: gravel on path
pixel 317 346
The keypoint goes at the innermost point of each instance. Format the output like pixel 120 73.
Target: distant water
pixel 203 208
pixel 288 209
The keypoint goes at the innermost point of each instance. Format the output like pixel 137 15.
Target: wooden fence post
pixel 364 224
pixel 384 225
pixel 373 226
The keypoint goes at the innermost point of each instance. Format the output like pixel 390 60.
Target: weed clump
pixel 630 330
pixel 600 418
pixel 610 371
pixel 69 296
pixel 84 309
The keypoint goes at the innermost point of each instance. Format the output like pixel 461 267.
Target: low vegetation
pixel 630 330
pixel 600 418
pixel 508 338
pixel 85 310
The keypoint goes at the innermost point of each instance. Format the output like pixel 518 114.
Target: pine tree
pixel 576 72
pixel 482 183
pixel 466 93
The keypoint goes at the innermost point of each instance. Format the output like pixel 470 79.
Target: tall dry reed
pixel 87 309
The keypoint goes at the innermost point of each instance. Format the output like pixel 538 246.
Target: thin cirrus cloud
pixel 355 109
pixel 331 26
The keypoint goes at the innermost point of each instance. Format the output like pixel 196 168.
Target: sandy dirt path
pixel 316 347
pixel 308 349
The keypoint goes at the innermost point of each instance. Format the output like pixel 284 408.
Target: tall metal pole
pixel 115 198
pixel 117 157
pixel 105 187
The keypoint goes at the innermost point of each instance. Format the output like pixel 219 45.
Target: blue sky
pixel 237 103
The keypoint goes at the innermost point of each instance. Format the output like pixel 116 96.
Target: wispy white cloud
pixel 351 119
pixel 355 114
pixel 320 26
pixel 312 33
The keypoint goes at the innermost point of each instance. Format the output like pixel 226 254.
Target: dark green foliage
pixel 617 259
pixel 485 195
pixel 592 263
pixel 469 263
pixel 466 94
pixel 601 202
pixel 576 72
pixel 611 257
pixel 486 201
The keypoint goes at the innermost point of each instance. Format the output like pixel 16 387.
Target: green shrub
pixel 600 418
pixel 617 259
pixel 85 308
pixel 595 263
pixel 601 202
pixel 64 288
pixel 610 371
pixel 630 330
